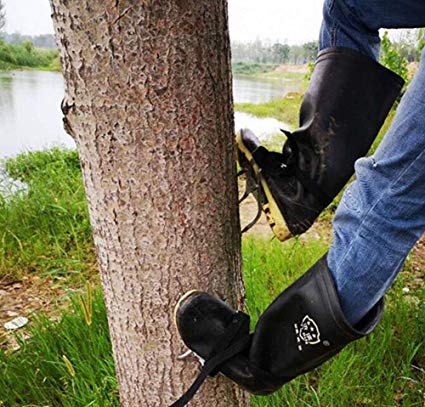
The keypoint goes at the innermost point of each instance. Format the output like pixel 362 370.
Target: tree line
pixel 408 44
pixel 265 52
pixel 39 41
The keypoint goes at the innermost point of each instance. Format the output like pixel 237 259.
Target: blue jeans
pixel 382 213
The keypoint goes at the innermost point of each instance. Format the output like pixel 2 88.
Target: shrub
pixel 391 58
pixel 26 55
pixel 250 68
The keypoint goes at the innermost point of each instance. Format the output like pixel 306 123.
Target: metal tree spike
pixel 253 186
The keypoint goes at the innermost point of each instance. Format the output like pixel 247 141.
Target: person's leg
pixel 355 23
pixel 382 213
pixel 347 85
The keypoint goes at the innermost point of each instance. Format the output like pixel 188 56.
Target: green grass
pixel 44 229
pixel 64 364
pixel 286 110
pixel 44 226
pixel 26 56
pixel 378 371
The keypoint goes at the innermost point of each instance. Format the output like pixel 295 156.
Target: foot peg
pixel 257 184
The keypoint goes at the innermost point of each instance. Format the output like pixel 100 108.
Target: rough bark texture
pixel 148 101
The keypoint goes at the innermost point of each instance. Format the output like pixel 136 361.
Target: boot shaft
pixel 345 106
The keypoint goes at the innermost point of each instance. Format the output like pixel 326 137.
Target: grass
pixel 44 226
pixel 65 364
pixel 286 109
pixel 69 362
pixel 26 56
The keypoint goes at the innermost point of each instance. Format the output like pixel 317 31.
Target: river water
pixel 30 116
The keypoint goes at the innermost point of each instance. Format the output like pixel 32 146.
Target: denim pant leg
pixel 355 23
pixel 382 213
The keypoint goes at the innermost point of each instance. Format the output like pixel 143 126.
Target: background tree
pixel 296 56
pixel 2 15
pixel 310 50
pixel 280 53
pixel 39 41
pixel 276 53
pixel 149 103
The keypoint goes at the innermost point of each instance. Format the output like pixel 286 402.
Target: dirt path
pixel 24 297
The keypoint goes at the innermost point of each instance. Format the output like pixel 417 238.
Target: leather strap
pixel 233 341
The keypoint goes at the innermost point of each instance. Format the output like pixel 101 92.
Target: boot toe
pixel 201 321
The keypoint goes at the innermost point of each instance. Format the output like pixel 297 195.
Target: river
pixel 30 116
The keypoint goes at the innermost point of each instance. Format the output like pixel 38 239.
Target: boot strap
pixel 233 341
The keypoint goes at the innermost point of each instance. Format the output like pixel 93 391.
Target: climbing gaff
pixel 252 187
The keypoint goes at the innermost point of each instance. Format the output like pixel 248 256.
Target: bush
pixel 26 55
pixel 251 68
pixel 391 58
pixel 6 54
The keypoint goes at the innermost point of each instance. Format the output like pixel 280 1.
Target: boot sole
pixel 273 214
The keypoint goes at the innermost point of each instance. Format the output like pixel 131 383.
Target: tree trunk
pixel 148 101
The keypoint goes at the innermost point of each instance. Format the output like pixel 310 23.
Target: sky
pixel 290 21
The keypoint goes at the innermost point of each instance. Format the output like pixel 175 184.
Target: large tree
pixel 2 15
pixel 148 101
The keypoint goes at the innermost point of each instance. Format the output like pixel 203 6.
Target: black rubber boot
pixel 346 103
pixel 300 330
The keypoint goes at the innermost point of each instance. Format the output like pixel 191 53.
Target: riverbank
pixel 26 56
pixel 285 109
pixel 270 70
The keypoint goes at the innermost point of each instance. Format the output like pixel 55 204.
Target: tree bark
pixel 149 103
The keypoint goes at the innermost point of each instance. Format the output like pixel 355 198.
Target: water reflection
pixel 30 116
pixel 259 90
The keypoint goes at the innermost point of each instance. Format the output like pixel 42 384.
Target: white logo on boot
pixel 308 333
